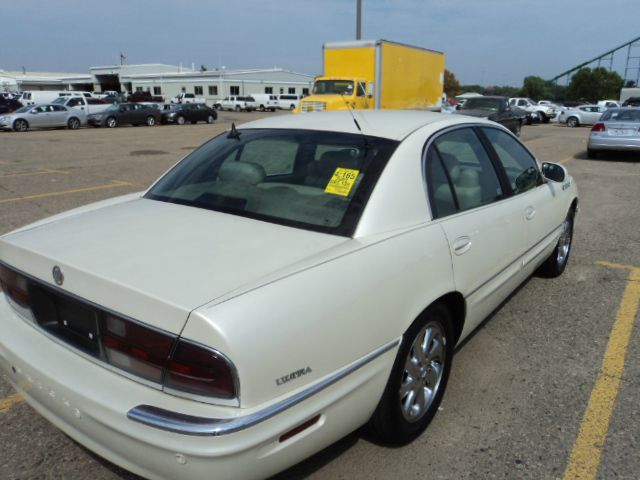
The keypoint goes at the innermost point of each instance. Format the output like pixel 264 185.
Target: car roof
pixel 392 124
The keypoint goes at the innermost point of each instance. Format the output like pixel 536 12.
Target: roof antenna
pixel 364 137
pixel 234 133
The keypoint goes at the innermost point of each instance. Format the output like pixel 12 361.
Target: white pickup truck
pixel 88 105
pixel 544 112
pixel 187 98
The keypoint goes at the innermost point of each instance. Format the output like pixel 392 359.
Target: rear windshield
pixel 621 115
pixel 307 179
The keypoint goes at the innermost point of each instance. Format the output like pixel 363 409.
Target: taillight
pixel 14 286
pixel 198 370
pixel 177 364
pixel 599 127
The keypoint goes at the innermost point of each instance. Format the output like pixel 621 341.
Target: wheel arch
pixel 455 303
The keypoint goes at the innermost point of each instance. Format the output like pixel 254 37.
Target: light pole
pixel 358 19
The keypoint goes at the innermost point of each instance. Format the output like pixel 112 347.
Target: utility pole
pixel 358 19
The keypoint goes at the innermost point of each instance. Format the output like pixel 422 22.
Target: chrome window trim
pixel 202 426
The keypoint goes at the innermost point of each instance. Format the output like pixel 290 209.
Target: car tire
pixel 151 121
pixel 210 119
pixel 111 122
pixel 180 120
pixel 557 261
pixel 573 122
pixel 408 404
pixel 544 118
pixel 238 108
pixel 20 125
pixel 73 123
pixel 292 107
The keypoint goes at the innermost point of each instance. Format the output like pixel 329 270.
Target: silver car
pixel 43 116
pixel 618 129
pixel 582 115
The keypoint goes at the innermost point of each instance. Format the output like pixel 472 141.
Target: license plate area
pixel 622 132
pixel 69 320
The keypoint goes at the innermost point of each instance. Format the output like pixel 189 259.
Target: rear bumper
pixel 94 406
pixel 619 143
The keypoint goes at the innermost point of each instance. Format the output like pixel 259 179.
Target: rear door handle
pixel 529 213
pixel 461 245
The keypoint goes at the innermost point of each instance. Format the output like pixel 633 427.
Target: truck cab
pixel 338 93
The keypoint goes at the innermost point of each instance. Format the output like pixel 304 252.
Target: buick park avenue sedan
pixel 286 283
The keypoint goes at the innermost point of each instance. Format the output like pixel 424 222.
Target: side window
pixel 277 157
pixel 521 168
pixel 362 90
pixel 472 176
pixel 441 196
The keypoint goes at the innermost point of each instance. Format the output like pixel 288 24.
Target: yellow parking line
pixel 566 159
pixel 585 456
pixel 7 403
pixel 113 184
pixel 28 174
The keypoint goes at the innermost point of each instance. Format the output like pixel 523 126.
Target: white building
pixel 213 85
pixel 25 80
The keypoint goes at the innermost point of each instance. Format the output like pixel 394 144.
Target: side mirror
pixel 121 109
pixel 554 172
pixel 34 111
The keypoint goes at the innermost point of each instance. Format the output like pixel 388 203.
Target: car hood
pixel 156 261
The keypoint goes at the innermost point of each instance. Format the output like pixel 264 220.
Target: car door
pixel 58 116
pixel 594 114
pixel 38 116
pixel 540 219
pixel 482 224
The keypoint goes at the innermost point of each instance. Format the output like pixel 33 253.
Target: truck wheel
pixel 151 121
pixel 73 123
pixel 180 120
pixel 262 109
pixel 111 122
pixel 238 108
pixel 210 119
pixel 20 125
pixel 292 107
pixel 573 122
pixel 543 117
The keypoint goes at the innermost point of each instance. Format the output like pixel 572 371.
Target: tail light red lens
pixel 161 357
pixel 599 127
pixel 200 371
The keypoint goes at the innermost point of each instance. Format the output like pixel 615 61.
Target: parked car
pixel 87 105
pixel 617 129
pixel 237 103
pixel 631 102
pixel 188 112
pixel 187 98
pixel 265 101
pixel 286 283
pixel 43 116
pixel 288 101
pixel 8 105
pixel 125 114
pixel 582 115
pixel 137 97
pixel 608 104
pixel 495 108
pixel 543 112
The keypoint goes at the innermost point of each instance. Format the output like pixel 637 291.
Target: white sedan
pixel 286 283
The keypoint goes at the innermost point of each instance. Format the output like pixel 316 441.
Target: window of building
pixel 268 89
pixel 213 90
pixel 138 89
pixel 234 90
pixel 282 90
pixel 292 90
pixel 305 92
pixel 157 91
pixel 183 89
pixel 198 90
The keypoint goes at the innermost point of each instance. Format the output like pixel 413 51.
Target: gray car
pixel 43 116
pixel 582 115
pixel 618 129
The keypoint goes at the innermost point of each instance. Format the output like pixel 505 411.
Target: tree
pixel 630 84
pixel 451 84
pixel 534 87
pixel 596 84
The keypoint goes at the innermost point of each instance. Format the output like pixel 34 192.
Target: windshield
pixel 621 115
pixel 23 109
pixel 306 179
pixel 60 100
pixel 492 104
pixel 335 87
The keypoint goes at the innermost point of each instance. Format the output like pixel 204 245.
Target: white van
pixel 32 97
pixel 265 101
pixel 288 101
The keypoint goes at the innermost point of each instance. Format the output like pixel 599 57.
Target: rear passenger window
pixel 469 170
pixel 521 168
pixel 442 200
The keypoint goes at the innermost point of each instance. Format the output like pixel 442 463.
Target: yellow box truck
pixel 377 74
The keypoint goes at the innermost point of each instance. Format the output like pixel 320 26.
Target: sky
pixel 487 42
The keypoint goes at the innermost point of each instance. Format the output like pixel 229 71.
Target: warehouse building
pixel 25 80
pixel 213 85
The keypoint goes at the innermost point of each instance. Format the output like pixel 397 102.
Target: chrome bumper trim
pixel 201 426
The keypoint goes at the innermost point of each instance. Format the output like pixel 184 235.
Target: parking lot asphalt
pixel 547 388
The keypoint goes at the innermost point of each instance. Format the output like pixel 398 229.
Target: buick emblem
pixel 58 277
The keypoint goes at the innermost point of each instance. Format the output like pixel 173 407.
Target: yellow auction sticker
pixel 342 181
